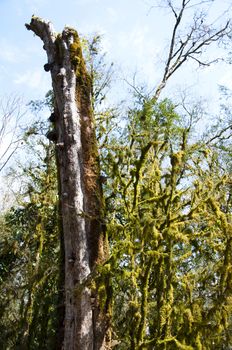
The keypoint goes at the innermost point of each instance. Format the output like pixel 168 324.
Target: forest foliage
pixel 167 282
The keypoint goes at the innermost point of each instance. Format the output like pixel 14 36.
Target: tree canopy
pixel 165 204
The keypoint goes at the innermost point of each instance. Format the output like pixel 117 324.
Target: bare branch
pixel 10 116
pixel 9 157
pixel 219 135
pixel 191 45
pixel 202 2
pixel 169 2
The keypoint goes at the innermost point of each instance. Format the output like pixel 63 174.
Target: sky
pixel 124 25
pixel 135 35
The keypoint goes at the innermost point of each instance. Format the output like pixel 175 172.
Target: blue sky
pixel 123 24
pixel 134 36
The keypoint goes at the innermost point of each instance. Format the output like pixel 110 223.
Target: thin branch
pixel 200 3
pixel 198 37
pixel 133 86
pixel 173 39
pixel 218 135
pixel 11 115
pixel 8 158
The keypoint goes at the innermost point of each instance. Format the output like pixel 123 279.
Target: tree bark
pixel 85 325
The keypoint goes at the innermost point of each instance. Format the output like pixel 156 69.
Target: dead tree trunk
pixel 85 325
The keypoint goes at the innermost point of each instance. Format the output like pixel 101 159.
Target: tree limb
pixel 198 37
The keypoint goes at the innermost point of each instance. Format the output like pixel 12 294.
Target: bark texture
pixel 85 325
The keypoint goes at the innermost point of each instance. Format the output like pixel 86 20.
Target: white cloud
pixel 32 79
pixel 139 51
pixel 85 2
pixel 226 80
pixel 34 5
pixel 112 14
pixel 10 53
pixel 17 52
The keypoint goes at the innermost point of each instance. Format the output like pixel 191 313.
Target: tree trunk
pixel 85 325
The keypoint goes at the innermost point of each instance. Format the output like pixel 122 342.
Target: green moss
pixel 75 53
pixel 102 295
pixel 176 159
pixel 78 62
pixel 198 343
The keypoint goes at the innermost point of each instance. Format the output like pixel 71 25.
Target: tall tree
pixel 159 195
pixel 80 193
pixel 170 234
